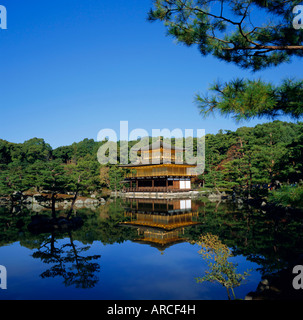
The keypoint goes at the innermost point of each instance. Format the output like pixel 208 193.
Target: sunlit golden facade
pixel 159 169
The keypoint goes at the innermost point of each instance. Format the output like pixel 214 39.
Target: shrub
pixel 289 195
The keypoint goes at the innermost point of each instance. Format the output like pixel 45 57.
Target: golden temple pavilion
pixel 159 169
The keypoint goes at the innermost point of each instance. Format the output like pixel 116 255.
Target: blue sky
pixel 70 68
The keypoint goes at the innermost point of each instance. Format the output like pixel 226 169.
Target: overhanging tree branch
pixel 225 29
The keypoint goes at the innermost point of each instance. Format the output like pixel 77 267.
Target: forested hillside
pixel 259 155
pixel 244 160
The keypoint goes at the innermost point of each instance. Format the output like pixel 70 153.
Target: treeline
pixel 245 159
pixel 34 165
pixel 251 159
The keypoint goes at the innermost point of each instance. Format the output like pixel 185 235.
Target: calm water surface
pixel 142 250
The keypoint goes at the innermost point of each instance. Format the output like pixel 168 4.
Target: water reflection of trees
pixel 68 262
pixel 69 259
pixel 101 224
pixel 67 253
pixel 270 239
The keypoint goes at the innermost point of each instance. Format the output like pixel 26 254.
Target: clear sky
pixel 70 68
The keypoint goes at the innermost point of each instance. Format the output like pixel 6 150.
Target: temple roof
pixel 159 144
pixel 140 164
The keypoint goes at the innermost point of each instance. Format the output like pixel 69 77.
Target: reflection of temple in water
pixel 160 222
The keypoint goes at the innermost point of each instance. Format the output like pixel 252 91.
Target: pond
pixel 140 249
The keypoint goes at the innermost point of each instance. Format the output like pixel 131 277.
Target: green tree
pixel 116 176
pixel 247 99
pixel 290 166
pixel 289 195
pixel 253 34
pixel 82 177
pixel 252 156
pixel 217 153
pixel 31 151
pixel 49 177
pixel 64 154
pixel 84 147
pixel 5 152
pixel 220 270
pixel 13 179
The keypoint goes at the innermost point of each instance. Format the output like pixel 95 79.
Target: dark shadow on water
pixel 68 262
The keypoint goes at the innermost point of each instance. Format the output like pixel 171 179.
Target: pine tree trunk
pixel 12 200
pixel 72 205
pixel 75 198
pixel 53 205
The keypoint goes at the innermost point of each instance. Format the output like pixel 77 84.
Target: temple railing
pixel 159 173
pixel 155 189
